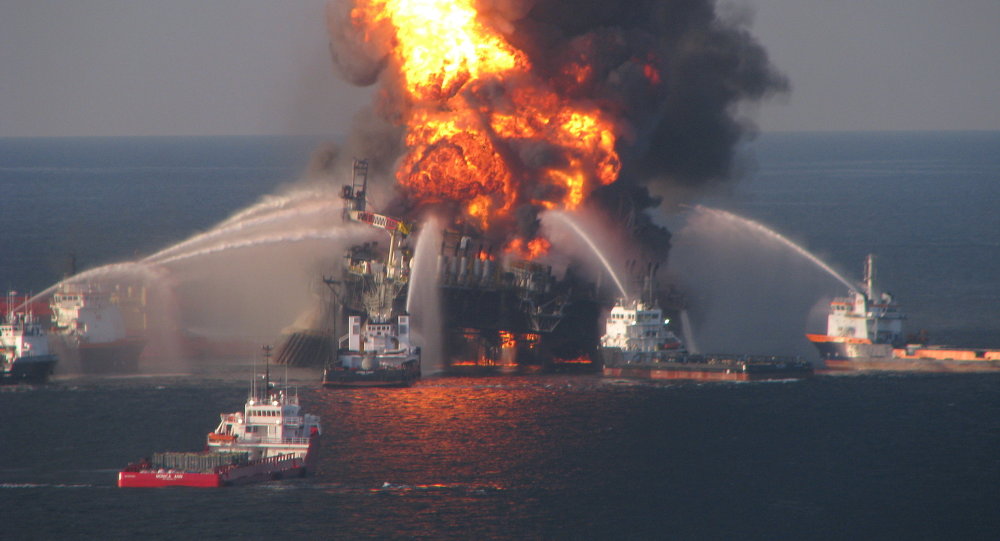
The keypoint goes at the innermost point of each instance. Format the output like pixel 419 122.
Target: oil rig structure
pixel 500 313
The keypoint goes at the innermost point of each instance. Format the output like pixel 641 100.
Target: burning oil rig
pixel 495 117
pixel 509 313
pixel 499 312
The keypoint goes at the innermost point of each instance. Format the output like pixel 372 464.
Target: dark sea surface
pixel 926 204
pixel 543 457
pixel 531 457
pixel 106 200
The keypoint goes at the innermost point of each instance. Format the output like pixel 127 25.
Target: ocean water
pixel 537 457
pixel 924 203
pixel 107 200
pixel 543 457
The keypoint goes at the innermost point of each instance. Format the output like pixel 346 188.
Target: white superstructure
pixel 635 327
pixel 858 316
pixel 90 331
pixel 24 348
pixel 271 424
pixel 87 314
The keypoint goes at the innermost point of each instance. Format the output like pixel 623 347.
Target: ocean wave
pixel 44 485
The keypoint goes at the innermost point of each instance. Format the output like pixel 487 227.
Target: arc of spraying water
pixel 760 228
pixel 311 234
pixel 563 217
pixel 271 203
pixel 232 228
pixel 272 209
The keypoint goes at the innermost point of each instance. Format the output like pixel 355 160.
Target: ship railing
pixel 265 440
pixel 256 464
pixel 297 441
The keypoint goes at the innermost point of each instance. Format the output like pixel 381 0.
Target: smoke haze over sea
pixel 885 456
pixel 923 203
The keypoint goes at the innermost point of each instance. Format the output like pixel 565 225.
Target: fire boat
pixel 24 346
pixel 865 332
pixel 270 439
pixel 638 343
pixel 89 329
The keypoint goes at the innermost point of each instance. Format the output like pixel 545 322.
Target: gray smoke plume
pixel 671 72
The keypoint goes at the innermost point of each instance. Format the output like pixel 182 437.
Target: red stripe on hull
pixel 905 365
pixel 266 469
pixel 154 479
pixel 698 375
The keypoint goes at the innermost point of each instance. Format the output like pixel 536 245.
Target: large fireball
pixel 474 107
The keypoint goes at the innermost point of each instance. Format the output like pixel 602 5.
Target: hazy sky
pixel 211 67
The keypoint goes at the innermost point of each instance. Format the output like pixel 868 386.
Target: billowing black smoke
pixel 672 72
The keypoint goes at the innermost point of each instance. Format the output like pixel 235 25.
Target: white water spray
pixel 247 225
pixel 760 228
pixel 91 274
pixel 423 297
pixel 688 332
pixel 564 218
pixel 748 288
pixel 263 240
pixel 271 203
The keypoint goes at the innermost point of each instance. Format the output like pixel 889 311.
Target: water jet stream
pixel 688 332
pixel 579 231
pixel 233 228
pixel 271 203
pixel 423 296
pixel 147 271
pixel 305 235
pixel 760 228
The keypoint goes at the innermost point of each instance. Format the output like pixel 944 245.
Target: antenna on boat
pixel 870 276
pixel 267 367
pixel 253 377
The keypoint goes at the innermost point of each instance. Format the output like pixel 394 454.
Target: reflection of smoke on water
pixel 746 291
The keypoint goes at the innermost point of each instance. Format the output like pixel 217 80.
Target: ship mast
pixel 870 276
pixel 382 283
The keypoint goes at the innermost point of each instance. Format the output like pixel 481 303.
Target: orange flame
pixel 531 249
pixel 472 103
pixel 440 44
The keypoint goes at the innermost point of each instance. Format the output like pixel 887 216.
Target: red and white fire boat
pixel 270 439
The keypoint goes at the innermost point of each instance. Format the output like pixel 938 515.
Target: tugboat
pixel 90 330
pixel 377 350
pixel 269 440
pixel 637 343
pixel 24 347
pixel 865 332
